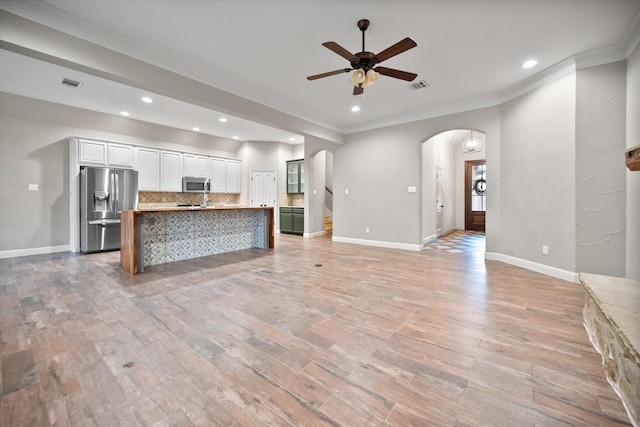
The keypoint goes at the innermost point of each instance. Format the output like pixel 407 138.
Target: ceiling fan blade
pixel 335 47
pixel 330 73
pixel 401 46
pixel 358 90
pixel 402 75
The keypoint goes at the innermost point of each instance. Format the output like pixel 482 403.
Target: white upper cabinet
pixel 171 171
pixel 148 169
pixel 233 176
pixel 225 175
pixel 195 165
pixel 102 153
pixel 120 156
pixel 92 153
pixel 218 175
pixel 158 170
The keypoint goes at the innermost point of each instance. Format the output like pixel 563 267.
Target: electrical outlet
pixel 366 230
pixel 33 187
pixel 545 250
pixel 346 191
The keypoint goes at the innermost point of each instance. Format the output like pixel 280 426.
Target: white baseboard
pixel 315 234
pixel 429 240
pixel 34 251
pixel 377 243
pixel 558 273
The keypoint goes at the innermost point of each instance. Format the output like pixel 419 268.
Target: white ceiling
pixel 469 52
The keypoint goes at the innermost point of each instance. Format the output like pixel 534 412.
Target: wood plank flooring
pixel 311 333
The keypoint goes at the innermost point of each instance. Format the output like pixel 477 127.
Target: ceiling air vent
pixel 419 85
pixel 71 83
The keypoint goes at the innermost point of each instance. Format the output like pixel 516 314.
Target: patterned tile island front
pixel 157 236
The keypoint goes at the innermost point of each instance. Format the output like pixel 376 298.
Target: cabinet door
pixel 298 221
pixel 93 153
pixel 202 166
pixel 292 176
pixel 218 175
pixel 170 171
pixel 120 156
pixel 233 176
pixel 189 164
pixel 286 220
pixel 194 165
pixel 148 169
pixel 263 188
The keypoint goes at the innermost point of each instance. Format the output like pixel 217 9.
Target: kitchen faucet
pixel 205 197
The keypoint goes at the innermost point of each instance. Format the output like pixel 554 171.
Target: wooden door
pixel 475 188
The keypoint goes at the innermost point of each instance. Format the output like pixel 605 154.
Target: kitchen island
pixel 161 235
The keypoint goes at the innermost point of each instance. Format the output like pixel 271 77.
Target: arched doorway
pixel 444 164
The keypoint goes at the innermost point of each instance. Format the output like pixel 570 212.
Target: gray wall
pixel 633 178
pixel 537 174
pixel 377 167
pixel 600 169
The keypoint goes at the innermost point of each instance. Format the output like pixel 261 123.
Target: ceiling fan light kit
pixel 363 64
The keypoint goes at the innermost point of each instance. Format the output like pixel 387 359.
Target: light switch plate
pixel 33 187
pixel 412 189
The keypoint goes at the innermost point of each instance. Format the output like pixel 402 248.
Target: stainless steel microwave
pixel 192 184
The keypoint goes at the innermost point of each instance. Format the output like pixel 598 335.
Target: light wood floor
pixel 310 333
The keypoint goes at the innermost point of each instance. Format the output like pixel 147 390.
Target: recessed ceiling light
pixel 235 137
pixel 196 129
pixel 147 99
pixel 292 139
pixel 222 120
pixel 529 63
pixel 355 108
pixel 125 113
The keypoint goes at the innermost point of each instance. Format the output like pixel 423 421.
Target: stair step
pixel 328 223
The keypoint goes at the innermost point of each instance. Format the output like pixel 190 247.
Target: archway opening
pixel 447 197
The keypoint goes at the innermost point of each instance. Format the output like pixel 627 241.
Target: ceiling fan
pixel 364 63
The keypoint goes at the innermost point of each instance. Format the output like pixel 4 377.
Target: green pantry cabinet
pixel 295 176
pixel 292 220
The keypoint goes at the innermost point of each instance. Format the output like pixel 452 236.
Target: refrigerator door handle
pixel 116 191
pixel 103 221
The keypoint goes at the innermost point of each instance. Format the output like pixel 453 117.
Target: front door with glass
pixel 475 195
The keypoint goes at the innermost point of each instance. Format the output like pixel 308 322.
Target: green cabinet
pixel 292 220
pixel 295 176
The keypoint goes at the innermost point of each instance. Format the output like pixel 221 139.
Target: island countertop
pixel 156 235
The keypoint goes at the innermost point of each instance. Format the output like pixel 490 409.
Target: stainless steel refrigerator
pixel 104 193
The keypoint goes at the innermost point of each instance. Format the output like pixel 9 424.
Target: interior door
pixel 263 188
pixel 475 188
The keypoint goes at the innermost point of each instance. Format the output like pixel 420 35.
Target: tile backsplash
pixel 287 199
pixel 155 199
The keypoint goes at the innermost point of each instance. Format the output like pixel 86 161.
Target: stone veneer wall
pixel 176 236
pixel 612 319
pixel 156 199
